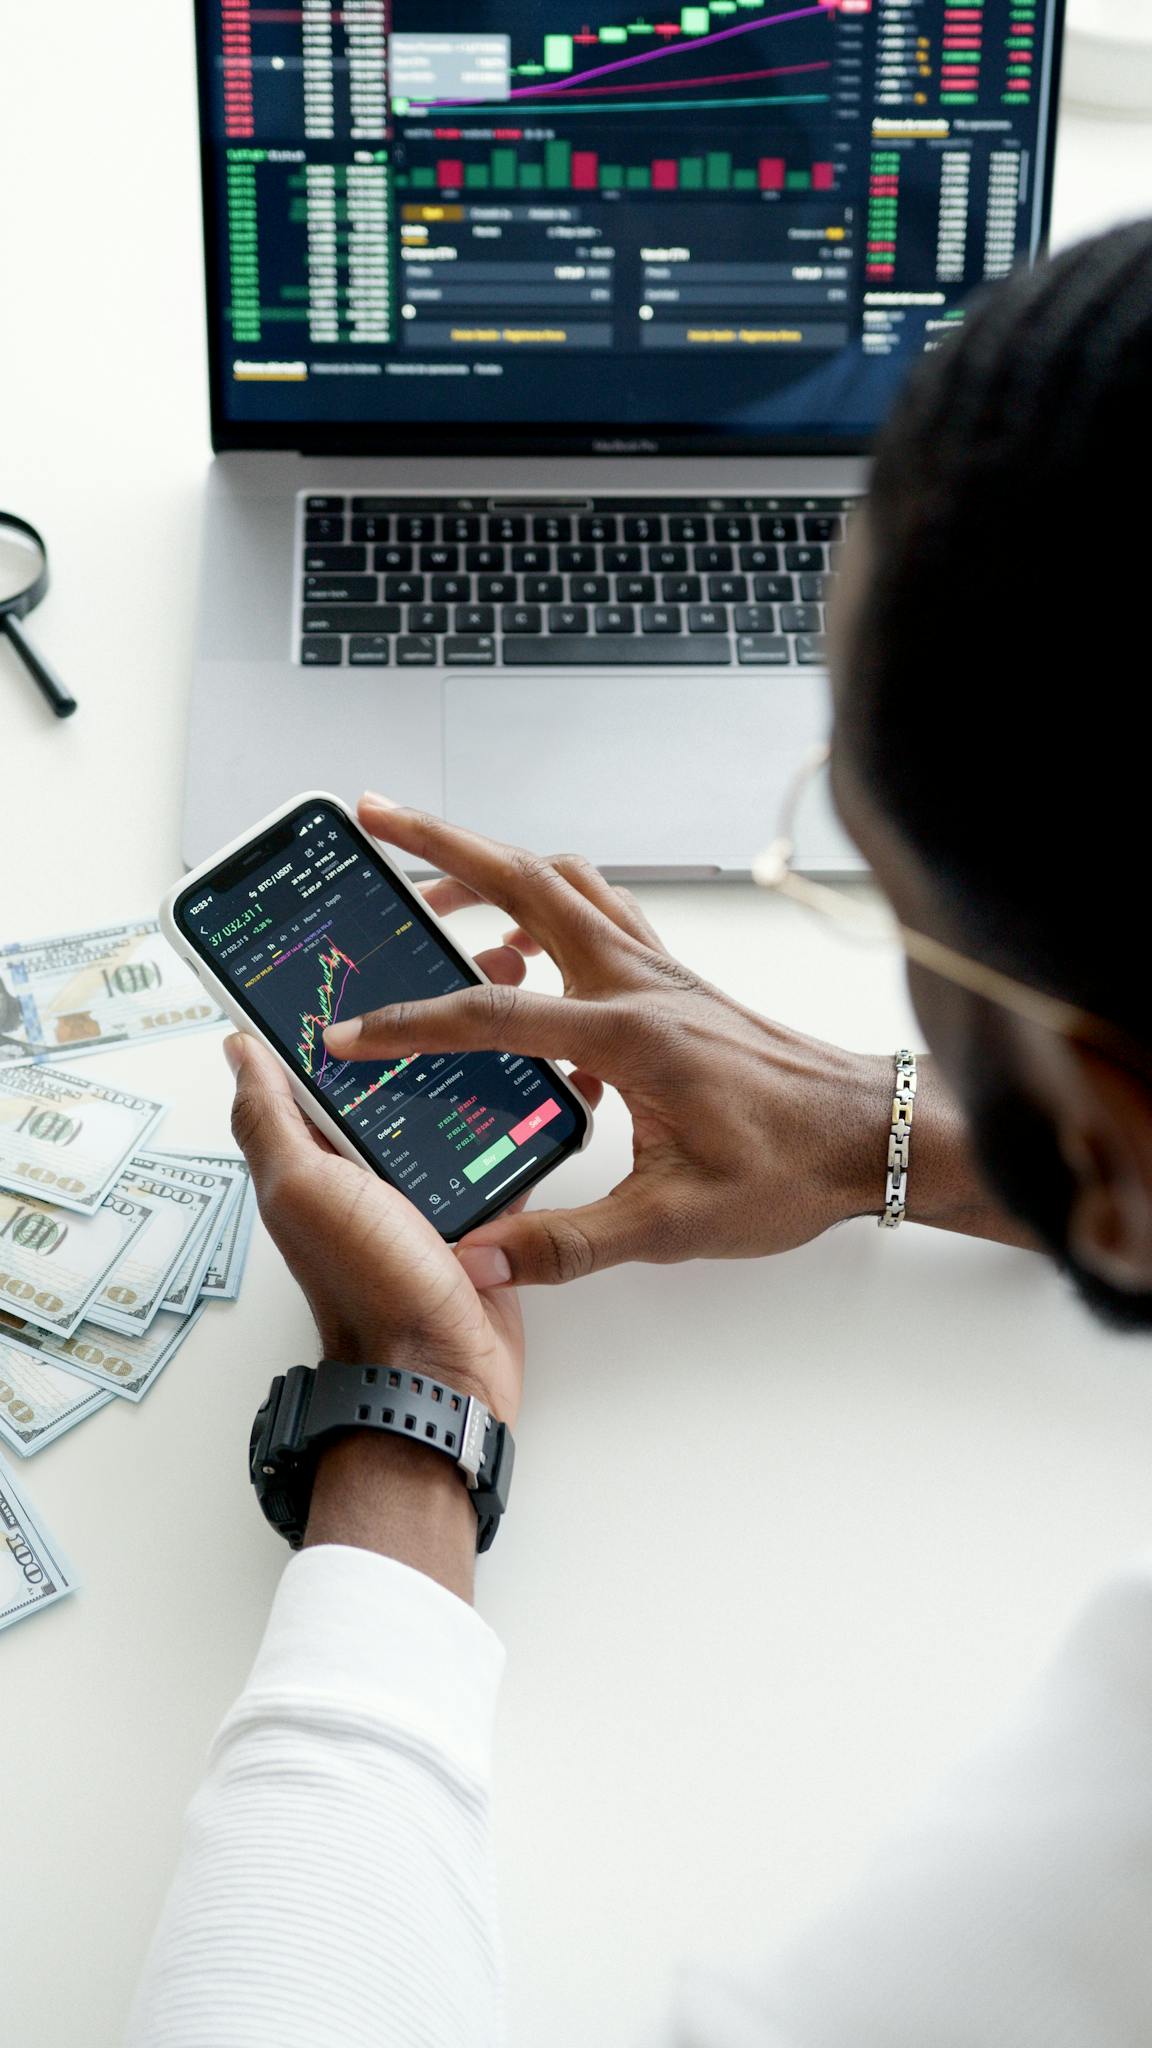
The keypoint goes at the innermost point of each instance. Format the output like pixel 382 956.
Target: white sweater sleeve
pixel 335 1884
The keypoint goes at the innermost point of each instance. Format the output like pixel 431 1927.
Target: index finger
pixel 531 889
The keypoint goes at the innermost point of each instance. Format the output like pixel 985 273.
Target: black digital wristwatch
pixel 309 1406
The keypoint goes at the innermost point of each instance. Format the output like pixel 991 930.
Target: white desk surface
pixel 835 1509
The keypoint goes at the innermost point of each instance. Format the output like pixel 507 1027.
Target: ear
pixel 1105 1131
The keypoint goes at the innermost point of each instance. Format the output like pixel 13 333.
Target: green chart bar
pixel 504 169
pixel 477 177
pixel 531 177
pixel 718 170
pixel 695 21
pixel 557 165
pixel 692 174
pixel 611 177
pixel 557 53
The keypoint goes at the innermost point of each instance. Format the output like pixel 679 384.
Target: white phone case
pixel 331 1126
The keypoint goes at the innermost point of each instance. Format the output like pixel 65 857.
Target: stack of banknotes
pixel 111 1245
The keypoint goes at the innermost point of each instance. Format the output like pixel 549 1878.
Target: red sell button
pixel 535 1122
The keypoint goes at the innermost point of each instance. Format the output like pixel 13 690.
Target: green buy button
pixel 489 1159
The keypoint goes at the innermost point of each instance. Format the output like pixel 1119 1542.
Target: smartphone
pixel 303 921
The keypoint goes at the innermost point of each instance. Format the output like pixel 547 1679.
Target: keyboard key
pixel 800 618
pixel 496 589
pixel 822 526
pixel 537 558
pixel 506 526
pixel 393 556
pixel 773 589
pixel 598 526
pixel 814 589
pixel 617 651
pixel 328 526
pixel 551 526
pixel 811 649
pixel 660 618
pixel 340 589
pixel 521 618
pixel 712 557
pixel 667 558
pixel 727 589
pixel 759 556
pixel 320 650
pixel 681 589
pixel 427 618
pixel 615 618
pixel 620 560
pixel 589 589
pixel 369 650
pixel 451 589
pixel 690 526
pixel 374 527
pixel 636 589
pixel 567 618
pixel 760 650
pixel 352 618
pixel 644 526
pixel 707 618
pixel 319 559
pixel 777 527
pixel 461 526
pixel 404 589
pixel 543 589
pixel 804 557
pixel 475 651
pixel 755 618
pixel 438 555
pixel 729 526
pixel 486 558
pixel 324 505
pixel 416 526
pixel 418 650
pixel 474 618
pixel 575 559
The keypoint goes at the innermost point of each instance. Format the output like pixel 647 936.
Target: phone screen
pixel 308 926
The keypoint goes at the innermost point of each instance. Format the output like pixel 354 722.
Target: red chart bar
pixel 450 172
pixel 585 170
pixel 665 174
pixel 771 173
pixel 823 177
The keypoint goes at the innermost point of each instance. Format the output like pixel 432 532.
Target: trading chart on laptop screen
pixel 737 214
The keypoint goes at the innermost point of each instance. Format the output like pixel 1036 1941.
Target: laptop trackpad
pixel 636 771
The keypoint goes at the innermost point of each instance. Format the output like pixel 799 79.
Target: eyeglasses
pixel 774 869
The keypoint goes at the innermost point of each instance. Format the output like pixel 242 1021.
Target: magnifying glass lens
pixel 21 562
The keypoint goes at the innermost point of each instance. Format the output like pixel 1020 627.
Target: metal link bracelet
pixel 899 1141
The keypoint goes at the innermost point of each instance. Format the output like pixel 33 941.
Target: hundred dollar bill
pixel 39 1402
pixel 225 1186
pixel 135 1288
pixel 33 1572
pixel 127 1366
pixel 52 1266
pixel 221 1282
pixel 66 1139
pixel 88 990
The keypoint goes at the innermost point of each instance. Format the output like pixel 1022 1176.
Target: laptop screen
pixel 592 224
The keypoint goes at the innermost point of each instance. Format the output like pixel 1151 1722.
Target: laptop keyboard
pixel 576 583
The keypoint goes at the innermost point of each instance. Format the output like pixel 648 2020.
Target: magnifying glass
pixel 23 581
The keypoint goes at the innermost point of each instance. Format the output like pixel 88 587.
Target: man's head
pixel 991 750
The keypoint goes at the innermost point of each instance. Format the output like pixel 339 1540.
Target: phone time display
pixel 324 933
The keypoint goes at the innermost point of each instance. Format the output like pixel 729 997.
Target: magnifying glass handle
pixel 62 701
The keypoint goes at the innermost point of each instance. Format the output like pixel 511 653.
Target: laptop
pixel 546 346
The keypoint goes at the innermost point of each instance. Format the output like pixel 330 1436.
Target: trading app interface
pixel 320 932
pixel 519 210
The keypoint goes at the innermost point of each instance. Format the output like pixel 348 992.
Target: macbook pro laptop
pixel 546 346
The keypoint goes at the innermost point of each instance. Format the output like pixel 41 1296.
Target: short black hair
pixel 996 698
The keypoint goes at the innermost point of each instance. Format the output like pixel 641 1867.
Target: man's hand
pixel 383 1286
pixel 747 1138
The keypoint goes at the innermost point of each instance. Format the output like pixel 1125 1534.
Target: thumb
pixel 548 1247
pixel 489 1018
pixel 266 1123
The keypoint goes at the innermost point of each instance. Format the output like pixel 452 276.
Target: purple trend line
pixel 721 35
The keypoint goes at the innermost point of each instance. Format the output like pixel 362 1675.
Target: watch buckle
pixel 476 1423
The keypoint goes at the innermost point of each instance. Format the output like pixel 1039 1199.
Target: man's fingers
pixel 548 1247
pixel 503 964
pixel 590 1087
pixel 270 1130
pixel 449 895
pixel 493 1019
